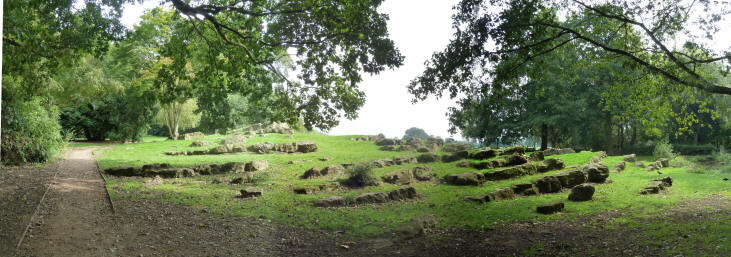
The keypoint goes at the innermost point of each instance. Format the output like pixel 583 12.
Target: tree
pixel 415 132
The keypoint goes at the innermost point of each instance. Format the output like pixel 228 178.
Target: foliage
pixel 415 132
pixel 361 175
pixel 691 149
pixel 663 149
pixel 30 132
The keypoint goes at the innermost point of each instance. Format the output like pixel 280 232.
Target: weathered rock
pixel 653 188
pixel 503 194
pixel 306 147
pixel 465 179
pixel 198 152
pixel 367 198
pixel 666 181
pixel 311 173
pixel 571 178
pixel 233 140
pixel 484 154
pixel 333 170
pixel 286 147
pixel 554 164
pixel 329 186
pixel 221 149
pixel 183 152
pixel 654 166
pixel 330 201
pixel 402 194
pixel 414 141
pixel 406 148
pixel 123 171
pixel 156 181
pixel 399 177
pixel 233 167
pixel 498 163
pixel 582 192
pixel 382 163
pixel 385 141
pixel 306 190
pixel 516 159
pixel 155 166
pixel 250 192
pixel 550 208
pixel 665 162
pixel 456 156
pixel 512 172
pixel 400 160
pixel 513 150
pixel 171 173
pixel 630 158
pixel 427 157
pixel 482 165
pixel 246 177
pixel 596 172
pixel 257 165
pixel 238 148
pixel 387 148
pixel 548 184
pixel 324 159
pixel 434 140
pixel 423 149
pixel 537 156
pixel 463 164
pixel 620 166
pixel 557 151
pixel 279 127
pixel 193 135
pixel 454 147
pixel 599 157
pixel 423 173
pixel 261 148
pixel 640 164
pixel 207 169
pixel 524 189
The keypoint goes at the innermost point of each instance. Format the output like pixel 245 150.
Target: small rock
pixel 582 192
pixel 250 192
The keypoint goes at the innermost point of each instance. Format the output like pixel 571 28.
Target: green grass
pixel 444 201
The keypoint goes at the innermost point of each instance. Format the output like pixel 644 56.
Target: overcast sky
pixel 419 28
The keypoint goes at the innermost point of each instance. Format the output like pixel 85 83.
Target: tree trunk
pixel 544 136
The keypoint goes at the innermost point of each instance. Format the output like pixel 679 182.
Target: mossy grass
pixel 280 204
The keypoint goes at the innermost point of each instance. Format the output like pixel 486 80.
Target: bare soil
pixel 77 220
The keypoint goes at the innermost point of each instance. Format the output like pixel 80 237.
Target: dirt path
pixel 76 218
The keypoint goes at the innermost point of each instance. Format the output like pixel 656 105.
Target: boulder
pixel 221 149
pixel 193 135
pixel 250 192
pixel 207 169
pixel 596 172
pixel 654 166
pixel 123 171
pixel 524 189
pixel 516 159
pixel 554 164
pixel 513 150
pixel 233 140
pixel 512 172
pixel 406 148
pixel 537 156
pixel 465 179
pixel 571 178
pixel 257 165
pixel 402 194
pixel 367 198
pixel 382 163
pixel 498 163
pixel 548 184
pixel 414 141
pixel 306 147
pixel 582 192
pixel 233 167
pixel 620 166
pixel 665 162
pixel 550 208
pixel 261 148
pixel 306 190
pixel 502 194
pixel 427 157
pixel 463 164
pixel 387 148
pixel 484 154
pixel 247 177
pixel 423 149
pixel 666 181
pixel 653 188
pixel 333 170
pixel 385 141
pixel 286 147
pixel 481 165
pixel 279 127
pixel 456 156
pixel 238 149
pixel 400 160
pixel 640 164
pixel 330 201
pixel 423 173
pixel 311 173
pixel 399 177
pixel 630 158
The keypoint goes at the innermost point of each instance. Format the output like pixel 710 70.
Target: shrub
pixel 663 149
pixel 694 149
pixel 30 132
pixel 361 175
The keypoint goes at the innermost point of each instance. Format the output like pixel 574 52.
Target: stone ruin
pixel 165 170
pixel 659 164
pixel 338 170
pixel 259 128
pixel 657 185
pixel 260 148
pixel 520 168
pixel 368 198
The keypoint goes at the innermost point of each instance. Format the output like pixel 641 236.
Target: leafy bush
pixel 694 149
pixel 663 149
pixel 30 132
pixel 361 175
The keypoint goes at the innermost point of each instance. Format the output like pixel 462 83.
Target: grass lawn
pixel 280 204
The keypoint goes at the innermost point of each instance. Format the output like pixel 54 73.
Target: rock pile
pixel 657 185
pixel 659 164
pixel 165 170
pixel 524 169
pixel 405 177
pixel 201 143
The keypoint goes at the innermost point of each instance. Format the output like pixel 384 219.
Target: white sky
pixel 419 28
